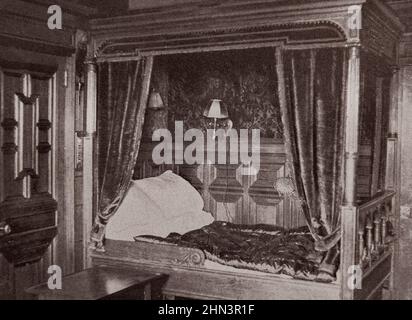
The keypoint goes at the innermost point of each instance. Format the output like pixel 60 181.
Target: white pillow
pixel 172 193
pixel 136 212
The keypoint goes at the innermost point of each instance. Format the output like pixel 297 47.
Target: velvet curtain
pixel 311 87
pixel 123 89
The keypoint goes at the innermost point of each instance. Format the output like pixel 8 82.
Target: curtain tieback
pixel 328 242
pixel 99 227
pixel 97 236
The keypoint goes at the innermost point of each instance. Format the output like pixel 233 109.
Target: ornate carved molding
pixel 44 147
pixel 9 124
pixel 23 25
pixel 27 172
pixel 27 100
pixel 189 257
pixel 30 247
pixel 38 46
pixel 9 148
pixel 44 124
pixel 29 178
pixel 262 191
pixel 226 186
pixel 322 31
pixel 191 28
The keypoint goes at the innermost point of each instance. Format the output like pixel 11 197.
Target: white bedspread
pixel 158 206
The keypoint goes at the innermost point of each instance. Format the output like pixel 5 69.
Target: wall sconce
pixel 216 110
pixel 155 101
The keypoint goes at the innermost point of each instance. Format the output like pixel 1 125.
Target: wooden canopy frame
pixel 358 25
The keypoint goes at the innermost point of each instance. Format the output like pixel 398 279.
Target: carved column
pixel 393 170
pixel 352 125
pixel 392 142
pixel 91 97
pixel 349 211
pixel 89 150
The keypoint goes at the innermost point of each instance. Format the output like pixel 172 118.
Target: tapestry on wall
pixel 244 80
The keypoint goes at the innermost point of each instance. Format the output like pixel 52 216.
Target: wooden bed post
pixel 88 157
pixel 349 210
pixel 392 177
pixel 392 139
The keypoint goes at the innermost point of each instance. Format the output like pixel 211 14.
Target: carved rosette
pixel 190 257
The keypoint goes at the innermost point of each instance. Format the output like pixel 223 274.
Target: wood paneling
pixel 27 111
pixel 231 196
pixel 195 282
pixel 28 46
pixel 32 189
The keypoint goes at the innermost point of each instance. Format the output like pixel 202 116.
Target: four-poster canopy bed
pixel 332 57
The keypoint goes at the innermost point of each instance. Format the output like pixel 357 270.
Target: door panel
pixel 28 99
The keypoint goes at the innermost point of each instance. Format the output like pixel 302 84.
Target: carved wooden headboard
pixel 242 199
pixel 228 194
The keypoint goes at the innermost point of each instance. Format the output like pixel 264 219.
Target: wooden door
pixel 28 103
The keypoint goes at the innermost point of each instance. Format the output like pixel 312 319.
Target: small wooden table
pixel 104 283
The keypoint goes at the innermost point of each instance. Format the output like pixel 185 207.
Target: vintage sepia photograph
pixel 181 150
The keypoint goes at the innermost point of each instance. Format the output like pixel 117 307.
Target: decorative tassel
pixel 97 236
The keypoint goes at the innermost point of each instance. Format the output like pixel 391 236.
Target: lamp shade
pixel 216 109
pixel 155 101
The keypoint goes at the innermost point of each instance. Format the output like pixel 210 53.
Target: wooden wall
pixel 403 276
pixel 25 39
pixel 229 196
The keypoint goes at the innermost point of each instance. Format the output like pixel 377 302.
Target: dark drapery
pixel 123 89
pixel 311 85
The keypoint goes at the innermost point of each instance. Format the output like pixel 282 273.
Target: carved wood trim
pixel 27 203
pixel 44 147
pixel 163 253
pixel 44 124
pixel 9 124
pixel 28 247
pixel 27 101
pixel 38 46
pixel 184 280
pixel 325 31
pixel 245 25
pixel 190 28
pixel 374 280
pixel 27 172
pixel 379 34
pixel 24 67
pixel 33 227
pixel 9 148
pixel 349 211
pixel 377 144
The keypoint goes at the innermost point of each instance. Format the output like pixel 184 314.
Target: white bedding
pixel 158 206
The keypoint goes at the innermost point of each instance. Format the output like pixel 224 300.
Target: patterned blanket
pixel 256 247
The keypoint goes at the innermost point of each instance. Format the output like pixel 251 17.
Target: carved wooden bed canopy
pixel 227 25
pixel 359 25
